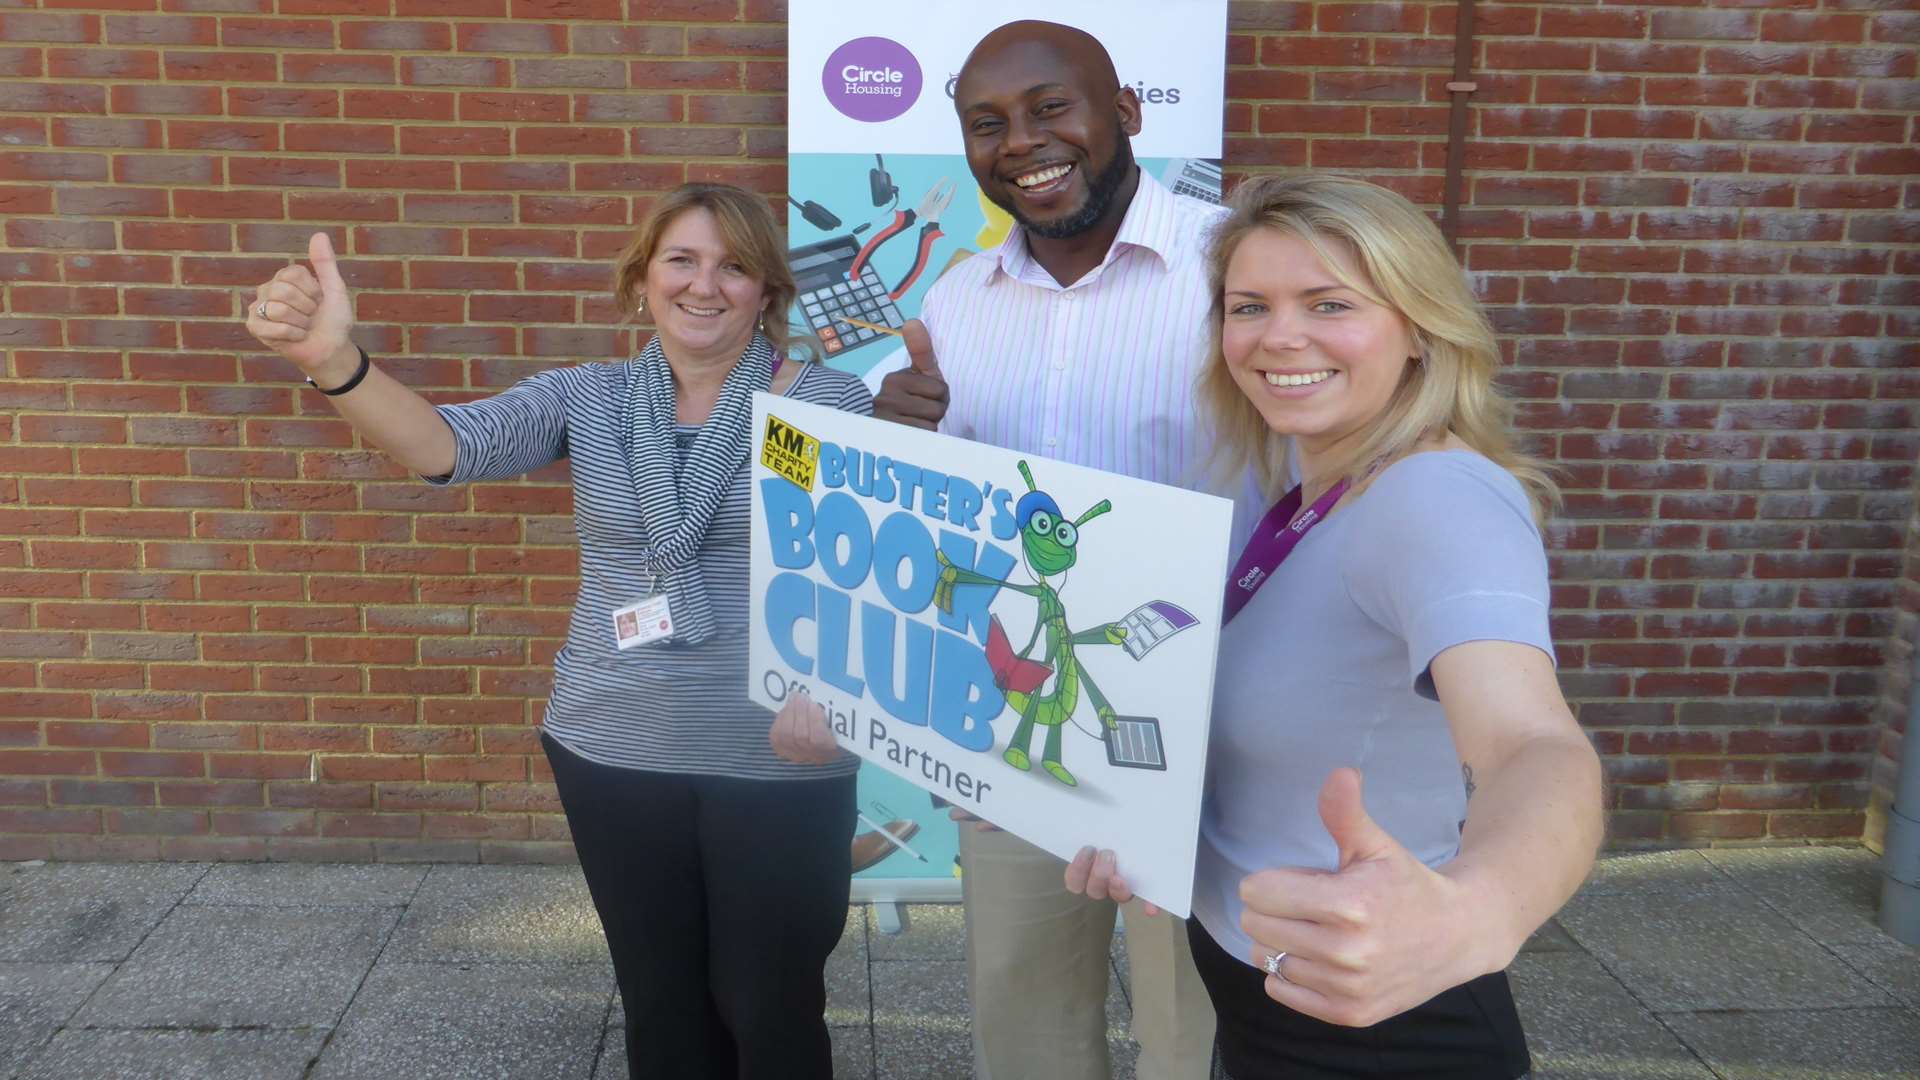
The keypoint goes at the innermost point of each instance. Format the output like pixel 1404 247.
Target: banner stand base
pixel 889 897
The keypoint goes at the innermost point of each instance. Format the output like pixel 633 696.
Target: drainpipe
pixel 1461 87
pixel 1900 894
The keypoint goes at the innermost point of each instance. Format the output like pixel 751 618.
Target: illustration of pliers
pixel 928 214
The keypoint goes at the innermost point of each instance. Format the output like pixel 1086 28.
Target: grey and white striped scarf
pixel 678 503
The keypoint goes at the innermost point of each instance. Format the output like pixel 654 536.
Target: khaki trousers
pixel 1037 972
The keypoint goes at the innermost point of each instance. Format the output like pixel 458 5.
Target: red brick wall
pixel 227 631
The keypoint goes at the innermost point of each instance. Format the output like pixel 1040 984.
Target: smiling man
pixel 1079 339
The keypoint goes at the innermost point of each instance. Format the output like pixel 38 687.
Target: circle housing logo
pixel 871 79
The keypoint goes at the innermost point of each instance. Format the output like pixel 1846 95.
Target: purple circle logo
pixel 871 79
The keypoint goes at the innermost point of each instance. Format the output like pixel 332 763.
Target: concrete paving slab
pixel 465 1022
pixel 1581 1024
pixel 1822 1044
pixel 1831 893
pixel 934 932
pixel 1712 948
pixel 848 1000
pixel 1887 964
pixel 144 881
pixel 77 912
pixel 1639 871
pixel 1550 938
pixel 292 994
pixel 267 935
pixel 501 914
pixel 35 999
pixel 1123 1054
pixel 171 1055
pixel 308 884
pixel 243 966
pixel 921 1027
pixel 612 1064
pixel 853 1050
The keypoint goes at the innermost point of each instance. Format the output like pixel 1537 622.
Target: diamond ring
pixel 1274 960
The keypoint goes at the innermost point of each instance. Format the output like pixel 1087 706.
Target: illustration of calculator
pixel 1196 178
pixel 826 296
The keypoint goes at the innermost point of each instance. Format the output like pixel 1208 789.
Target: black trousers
pixel 721 901
pixel 1471 1032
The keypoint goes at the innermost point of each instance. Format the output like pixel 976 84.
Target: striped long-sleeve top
pixel 666 706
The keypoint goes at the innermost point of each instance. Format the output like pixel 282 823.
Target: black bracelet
pixel 366 365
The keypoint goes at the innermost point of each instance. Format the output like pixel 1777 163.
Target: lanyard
pixel 1273 540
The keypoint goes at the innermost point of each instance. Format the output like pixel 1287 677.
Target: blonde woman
pixel 1388 621
pixel 680 812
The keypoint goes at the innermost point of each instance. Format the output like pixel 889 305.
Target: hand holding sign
pixel 1096 875
pixel 800 732
pixel 1367 941
pixel 915 395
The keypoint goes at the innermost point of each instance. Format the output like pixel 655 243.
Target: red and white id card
pixel 642 622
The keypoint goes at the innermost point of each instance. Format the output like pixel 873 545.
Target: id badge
pixel 643 622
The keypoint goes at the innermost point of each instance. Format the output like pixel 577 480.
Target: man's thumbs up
pixel 920 349
pixel 916 394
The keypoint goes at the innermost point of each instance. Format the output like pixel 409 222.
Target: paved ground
pixel 1739 965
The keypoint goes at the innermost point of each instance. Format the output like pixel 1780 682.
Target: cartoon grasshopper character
pixel 1048 540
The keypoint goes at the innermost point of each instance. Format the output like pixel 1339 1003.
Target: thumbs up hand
pixel 306 316
pixel 1370 940
pixel 916 394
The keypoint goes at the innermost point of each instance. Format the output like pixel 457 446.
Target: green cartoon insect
pixel 1048 540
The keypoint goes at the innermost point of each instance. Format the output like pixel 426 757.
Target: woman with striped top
pixel 683 817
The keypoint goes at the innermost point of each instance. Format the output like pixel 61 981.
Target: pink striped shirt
pixel 1099 373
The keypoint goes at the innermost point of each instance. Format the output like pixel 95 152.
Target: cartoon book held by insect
pixel 1030 640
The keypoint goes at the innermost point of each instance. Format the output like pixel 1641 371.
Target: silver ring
pixel 1274 960
pixel 261 310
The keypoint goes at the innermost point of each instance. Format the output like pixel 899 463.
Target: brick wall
pixel 228 631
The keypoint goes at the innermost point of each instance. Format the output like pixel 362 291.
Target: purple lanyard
pixel 1273 540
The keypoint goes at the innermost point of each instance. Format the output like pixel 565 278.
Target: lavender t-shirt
pixel 1327 666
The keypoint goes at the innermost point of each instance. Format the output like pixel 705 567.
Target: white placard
pixel 1082 719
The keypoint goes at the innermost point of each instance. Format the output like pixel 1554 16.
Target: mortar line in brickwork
pixel 334 1028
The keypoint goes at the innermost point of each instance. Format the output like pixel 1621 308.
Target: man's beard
pixel 1100 192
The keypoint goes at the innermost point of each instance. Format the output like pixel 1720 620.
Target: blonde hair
pixel 1407 267
pixel 751 235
